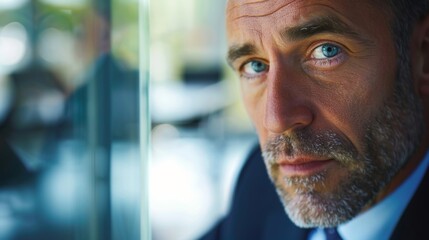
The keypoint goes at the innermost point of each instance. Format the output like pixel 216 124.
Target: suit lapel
pixel 414 222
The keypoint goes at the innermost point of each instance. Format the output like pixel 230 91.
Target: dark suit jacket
pixel 257 214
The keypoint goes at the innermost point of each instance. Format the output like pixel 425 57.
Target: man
pixel 338 91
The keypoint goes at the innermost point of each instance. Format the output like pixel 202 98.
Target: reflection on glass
pixel 69 119
pixel 200 134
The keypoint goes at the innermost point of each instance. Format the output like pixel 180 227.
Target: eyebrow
pixel 325 24
pixel 319 25
pixel 237 51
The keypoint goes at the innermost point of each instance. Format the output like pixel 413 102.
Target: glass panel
pixel 200 133
pixel 73 95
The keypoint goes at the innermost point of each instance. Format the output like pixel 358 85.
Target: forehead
pixel 268 17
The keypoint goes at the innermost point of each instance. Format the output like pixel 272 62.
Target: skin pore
pixel 340 125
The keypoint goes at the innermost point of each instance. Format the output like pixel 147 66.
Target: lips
pixel 303 166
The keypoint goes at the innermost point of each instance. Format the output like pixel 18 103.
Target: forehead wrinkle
pixel 246 3
pixel 327 23
pixel 252 12
pixel 232 6
pixel 317 25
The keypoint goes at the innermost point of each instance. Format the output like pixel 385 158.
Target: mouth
pixel 303 167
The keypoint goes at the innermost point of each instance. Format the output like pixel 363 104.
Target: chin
pixel 310 210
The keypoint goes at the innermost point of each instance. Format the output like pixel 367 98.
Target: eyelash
pixel 243 75
pixel 328 62
pixel 320 63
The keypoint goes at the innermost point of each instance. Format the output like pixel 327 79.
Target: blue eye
pixel 326 51
pixel 254 68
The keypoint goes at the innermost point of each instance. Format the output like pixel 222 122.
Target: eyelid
pixel 319 50
pixel 320 43
pixel 244 75
pixel 244 62
pixel 326 62
pixel 236 65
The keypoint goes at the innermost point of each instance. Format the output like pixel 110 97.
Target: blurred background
pixel 73 97
pixel 117 120
pixel 200 132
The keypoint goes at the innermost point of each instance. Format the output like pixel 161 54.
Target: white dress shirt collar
pixel 379 221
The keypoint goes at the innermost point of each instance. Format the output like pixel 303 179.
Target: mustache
pixel 327 144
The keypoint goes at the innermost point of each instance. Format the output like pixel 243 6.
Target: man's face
pixel 335 117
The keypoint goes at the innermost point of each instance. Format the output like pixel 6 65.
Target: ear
pixel 420 57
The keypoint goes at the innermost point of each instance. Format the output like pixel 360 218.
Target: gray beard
pixel 391 137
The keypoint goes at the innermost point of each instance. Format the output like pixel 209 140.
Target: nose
pixel 287 102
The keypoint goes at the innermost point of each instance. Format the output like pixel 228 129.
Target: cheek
pixel 351 107
pixel 254 102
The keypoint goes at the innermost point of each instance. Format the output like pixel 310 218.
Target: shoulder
pixel 415 220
